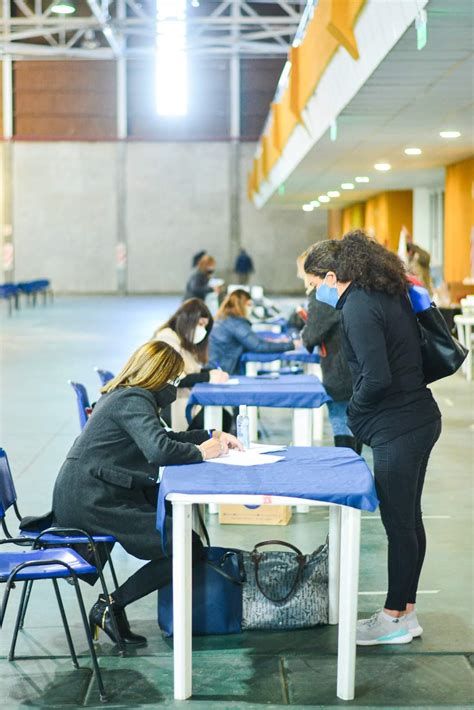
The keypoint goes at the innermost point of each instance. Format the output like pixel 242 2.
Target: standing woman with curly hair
pixel 391 408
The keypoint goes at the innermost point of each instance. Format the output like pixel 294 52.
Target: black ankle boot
pixel 100 618
pixel 349 442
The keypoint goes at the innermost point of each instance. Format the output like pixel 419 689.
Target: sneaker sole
pixel 407 638
pixel 416 632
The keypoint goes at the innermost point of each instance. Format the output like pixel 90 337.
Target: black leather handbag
pixel 442 354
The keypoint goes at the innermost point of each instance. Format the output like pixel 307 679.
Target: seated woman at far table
pixel 232 334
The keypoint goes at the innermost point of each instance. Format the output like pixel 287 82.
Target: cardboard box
pixel 263 515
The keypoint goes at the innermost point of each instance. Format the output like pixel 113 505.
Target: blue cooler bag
pixel 217 594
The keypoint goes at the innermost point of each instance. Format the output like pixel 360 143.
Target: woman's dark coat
pixel 107 485
pixel 324 326
pixel 198 285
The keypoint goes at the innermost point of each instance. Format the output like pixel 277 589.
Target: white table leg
pixel 213 420
pixel 314 368
pixel 334 562
pixel 182 601
pixel 302 436
pixel 252 413
pixel 349 587
pixel 251 369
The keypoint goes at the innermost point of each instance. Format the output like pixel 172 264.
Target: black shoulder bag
pixel 442 354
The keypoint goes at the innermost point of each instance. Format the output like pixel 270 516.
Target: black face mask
pixel 165 396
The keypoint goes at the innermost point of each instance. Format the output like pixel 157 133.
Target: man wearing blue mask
pixel 323 330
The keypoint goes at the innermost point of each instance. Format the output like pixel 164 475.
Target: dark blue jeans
pixel 399 468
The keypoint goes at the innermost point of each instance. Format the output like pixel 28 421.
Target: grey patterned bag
pixel 285 590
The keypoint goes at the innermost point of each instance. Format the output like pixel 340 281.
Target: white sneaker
pixel 413 624
pixel 381 628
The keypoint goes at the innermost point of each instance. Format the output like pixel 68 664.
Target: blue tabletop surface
pixel 301 355
pixel 328 474
pixel 293 391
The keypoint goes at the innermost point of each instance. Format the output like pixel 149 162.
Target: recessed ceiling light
pixel 333 193
pixel 413 151
pixel 314 203
pixel 308 208
pixel 449 134
pixel 324 198
pixel 362 178
pixel 383 167
pixel 347 185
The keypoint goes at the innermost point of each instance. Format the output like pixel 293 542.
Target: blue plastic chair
pixel 83 404
pixel 8 499
pixel 47 564
pixel 104 375
pixel 10 292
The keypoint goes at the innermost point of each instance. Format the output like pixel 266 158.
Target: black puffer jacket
pixel 324 326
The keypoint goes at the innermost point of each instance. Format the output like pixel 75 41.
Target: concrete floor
pixel 40 349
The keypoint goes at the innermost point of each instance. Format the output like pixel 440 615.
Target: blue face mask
pixel 327 294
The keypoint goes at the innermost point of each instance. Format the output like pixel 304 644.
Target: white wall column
pixel 122 133
pixel 234 183
pixel 6 158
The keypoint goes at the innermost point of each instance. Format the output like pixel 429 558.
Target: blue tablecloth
pixel 301 355
pixel 293 391
pixel 328 474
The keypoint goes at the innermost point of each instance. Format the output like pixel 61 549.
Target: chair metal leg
pixel 90 643
pixel 11 653
pixel 111 564
pixel 29 586
pixel 65 624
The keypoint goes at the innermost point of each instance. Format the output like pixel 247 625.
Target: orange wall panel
pixel 458 220
pixel 385 215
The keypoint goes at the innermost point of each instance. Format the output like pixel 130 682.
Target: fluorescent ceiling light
pixel 63 7
pixel 413 151
pixel 449 134
pixel 333 193
pixel 171 58
pixel 347 185
pixel 308 208
pixel 362 178
pixel 314 203
pixel 382 167
pixel 324 198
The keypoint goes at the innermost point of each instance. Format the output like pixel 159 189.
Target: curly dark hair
pixel 360 259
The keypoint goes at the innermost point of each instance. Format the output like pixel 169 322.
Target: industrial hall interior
pixel 236 354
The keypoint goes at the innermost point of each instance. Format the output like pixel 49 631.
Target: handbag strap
pixel 220 569
pixel 256 558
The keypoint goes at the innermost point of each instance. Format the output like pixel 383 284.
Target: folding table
pixel 336 477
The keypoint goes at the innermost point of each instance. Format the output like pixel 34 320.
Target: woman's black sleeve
pixel 194 378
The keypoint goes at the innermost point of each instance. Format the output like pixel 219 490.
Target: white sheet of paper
pixel 266 448
pixel 245 458
pixel 231 381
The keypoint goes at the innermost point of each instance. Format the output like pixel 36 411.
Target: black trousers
pixel 152 576
pixel 399 468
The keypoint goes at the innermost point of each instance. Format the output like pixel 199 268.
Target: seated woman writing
pixel 108 483
pixel 233 335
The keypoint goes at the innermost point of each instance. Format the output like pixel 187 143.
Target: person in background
pixel 198 283
pixel 108 483
pixel 392 410
pixel 187 331
pixel 243 267
pixel 232 334
pixel 419 265
pixel 323 329
pixel 197 257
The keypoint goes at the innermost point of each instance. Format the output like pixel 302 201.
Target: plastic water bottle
pixel 243 426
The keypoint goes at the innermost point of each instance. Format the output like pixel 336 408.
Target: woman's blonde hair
pixel 206 262
pixel 300 272
pixel 151 366
pixel 234 305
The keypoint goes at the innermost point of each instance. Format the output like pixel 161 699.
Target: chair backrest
pixel 104 375
pixel 7 487
pixel 82 400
